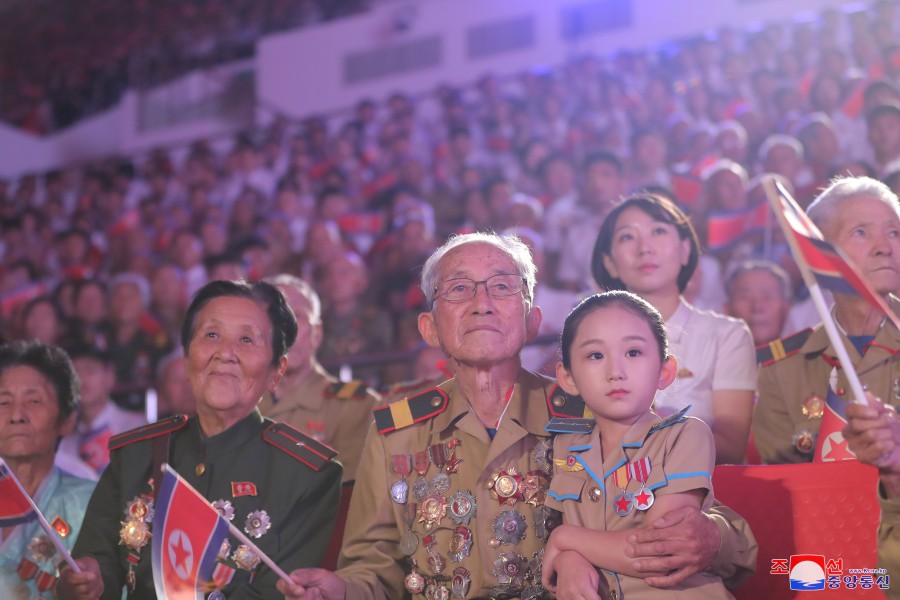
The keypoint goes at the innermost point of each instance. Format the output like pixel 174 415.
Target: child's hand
pixel 548 568
pixel 577 579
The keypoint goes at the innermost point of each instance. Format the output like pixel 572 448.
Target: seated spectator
pixel 861 217
pixel 759 292
pixel 39 393
pixel 168 297
pixel 99 418
pixel 175 395
pixel 883 126
pixel 42 320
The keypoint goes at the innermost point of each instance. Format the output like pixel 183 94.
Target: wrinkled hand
pixel 87 585
pixel 576 578
pixel 679 544
pixel 312 584
pixel 873 434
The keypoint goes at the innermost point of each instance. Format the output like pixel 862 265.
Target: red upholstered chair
pixel 829 509
pixel 329 561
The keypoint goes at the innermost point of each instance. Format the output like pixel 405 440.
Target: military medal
pixel 804 441
pixel 224 508
pixel 437 591
pixel 130 578
pixel 421 489
pixel 433 509
pixel 409 541
pixel 542 455
pixel 44 581
pixel 459 585
pixel 509 527
pixel 135 534
pixel 439 453
pixel 545 521
pixel 245 558
pixel 60 526
pixel 414 583
pixel 640 470
pixel 460 543
pixel 623 502
pixel 813 406
pixel 257 523
pixel 221 576
pixel 436 562
pixel 534 487
pixel 402 464
pixel 504 486
pixel 224 549
pixel 462 507
pixel 140 508
pixel 510 569
pixel 27 569
pixel 42 550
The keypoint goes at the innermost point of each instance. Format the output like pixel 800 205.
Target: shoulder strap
pixel 407 411
pixel 146 432
pixel 767 354
pixel 311 452
pixel 565 406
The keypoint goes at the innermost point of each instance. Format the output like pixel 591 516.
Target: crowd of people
pixel 60 62
pixel 625 175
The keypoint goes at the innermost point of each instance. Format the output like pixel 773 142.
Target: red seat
pixel 829 509
pixel 329 561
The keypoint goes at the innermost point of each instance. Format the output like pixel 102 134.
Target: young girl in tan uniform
pixel 631 466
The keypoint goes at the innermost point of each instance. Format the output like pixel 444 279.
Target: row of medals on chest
pixel 506 486
pixel 135 534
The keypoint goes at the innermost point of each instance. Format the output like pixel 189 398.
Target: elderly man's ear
pixel 533 323
pixel 428 329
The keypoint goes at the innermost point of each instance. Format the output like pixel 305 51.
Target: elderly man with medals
pixel 449 502
pixel 280 486
pixel 39 392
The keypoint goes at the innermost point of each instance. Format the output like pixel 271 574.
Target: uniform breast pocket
pixel 566 486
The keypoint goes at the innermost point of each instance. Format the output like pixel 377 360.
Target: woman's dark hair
pixel 659 209
pixel 626 300
pixel 51 362
pixel 284 323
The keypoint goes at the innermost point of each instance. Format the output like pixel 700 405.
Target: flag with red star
pixel 14 505
pixel 831 445
pixel 187 535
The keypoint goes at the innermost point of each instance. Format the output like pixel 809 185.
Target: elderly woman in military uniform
pixel 278 485
pixel 39 392
pixel 449 501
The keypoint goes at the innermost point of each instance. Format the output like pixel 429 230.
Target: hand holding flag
pixel 187 535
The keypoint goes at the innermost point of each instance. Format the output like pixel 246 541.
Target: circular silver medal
pixel 623 503
pixel 421 489
pixel 216 595
pixel 643 499
pixel 400 492
pixel 409 543
pixel 440 483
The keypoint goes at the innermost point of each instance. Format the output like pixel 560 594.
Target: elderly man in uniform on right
pixel 861 216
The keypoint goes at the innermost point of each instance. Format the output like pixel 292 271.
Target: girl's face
pixel 646 254
pixel 615 365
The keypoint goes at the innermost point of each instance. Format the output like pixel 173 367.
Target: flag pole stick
pixel 235 531
pixel 51 533
pixel 815 293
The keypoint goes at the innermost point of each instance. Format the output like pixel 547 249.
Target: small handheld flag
pixel 831 445
pixel 725 229
pixel 16 507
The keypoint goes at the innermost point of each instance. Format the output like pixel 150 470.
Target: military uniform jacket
pixel 62 499
pixel 507 539
pixel 786 385
pixel 335 413
pixel 238 466
pixel 682 456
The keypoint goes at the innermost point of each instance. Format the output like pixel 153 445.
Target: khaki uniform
pixel 800 380
pixel 682 456
pixel 507 539
pixel 334 413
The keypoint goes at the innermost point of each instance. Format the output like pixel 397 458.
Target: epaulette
pixel 352 390
pixel 569 425
pixel 766 354
pixel 670 420
pixel 404 413
pixel 565 406
pixel 146 432
pixel 311 452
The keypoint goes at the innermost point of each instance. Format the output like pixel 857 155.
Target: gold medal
pixel 134 534
pixel 245 558
pixel 813 406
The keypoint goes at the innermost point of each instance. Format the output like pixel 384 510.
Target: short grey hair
pixel 779 139
pixel 517 251
pixel 286 280
pixel 842 189
pixel 135 279
pixel 766 266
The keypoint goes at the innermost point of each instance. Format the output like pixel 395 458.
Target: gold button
pixel 558 400
pixel 200 469
pixel 613 595
pixel 436 401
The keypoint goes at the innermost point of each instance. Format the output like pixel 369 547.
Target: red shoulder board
pixel 355 390
pixel 404 413
pixel 311 452
pixel 145 432
pixel 563 405
pixel 766 354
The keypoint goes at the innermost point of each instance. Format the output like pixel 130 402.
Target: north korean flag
pixel 14 505
pixel 831 445
pixel 187 535
pixel 724 229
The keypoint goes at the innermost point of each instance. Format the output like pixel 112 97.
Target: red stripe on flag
pixel 14 506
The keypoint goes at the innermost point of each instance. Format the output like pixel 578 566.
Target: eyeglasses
pixel 463 288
